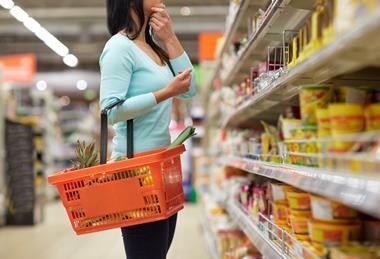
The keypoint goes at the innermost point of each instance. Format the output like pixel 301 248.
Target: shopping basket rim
pixel 140 159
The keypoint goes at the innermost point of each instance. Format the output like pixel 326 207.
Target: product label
pixel 322 209
pixel 278 193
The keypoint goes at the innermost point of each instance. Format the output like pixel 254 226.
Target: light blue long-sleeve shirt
pixel 127 72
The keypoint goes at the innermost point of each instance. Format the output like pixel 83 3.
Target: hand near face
pixel 161 23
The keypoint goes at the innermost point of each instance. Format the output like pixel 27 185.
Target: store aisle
pixel 55 240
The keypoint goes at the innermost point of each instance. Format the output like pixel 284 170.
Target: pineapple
pixel 87 155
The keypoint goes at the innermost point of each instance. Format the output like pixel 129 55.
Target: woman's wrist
pixel 162 95
pixel 173 47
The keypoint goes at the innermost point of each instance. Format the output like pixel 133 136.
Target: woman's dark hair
pixel 119 14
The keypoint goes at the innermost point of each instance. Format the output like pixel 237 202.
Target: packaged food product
pixel 299 225
pixel 355 252
pixel 280 212
pixel 333 233
pixel 350 95
pixel 298 200
pixel 324 124
pixel 345 119
pixel 371 230
pixel 289 126
pixel 279 192
pixel 313 97
pixel 372 113
pixel 313 250
pixel 327 210
pixel 300 213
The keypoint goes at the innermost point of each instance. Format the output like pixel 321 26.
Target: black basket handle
pixel 104 129
pixel 104 133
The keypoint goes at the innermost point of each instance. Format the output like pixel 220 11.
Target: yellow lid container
pixel 333 233
pixel 372 113
pixel 345 119
pixel 331 211
pixel 298 200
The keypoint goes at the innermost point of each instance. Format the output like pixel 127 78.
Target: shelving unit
pixel 360 192
pixel 2 152
pixel 210 240
pixel 252 231
pixel 269 33
pixel 350 52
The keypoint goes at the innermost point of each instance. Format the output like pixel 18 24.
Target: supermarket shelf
pixel 268 34
pixel 360 192
pixel 257 237
pixel 350 52
pixel 251 6
pixel 211 242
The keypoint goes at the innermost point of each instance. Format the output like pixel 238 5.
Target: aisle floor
pixel 54 239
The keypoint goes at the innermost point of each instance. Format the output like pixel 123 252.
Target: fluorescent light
pixel 7 4
pixel 50 40
pixel 70 60
pixel 18 13
pixel 41 85
pixel 185 11
pixel 82 85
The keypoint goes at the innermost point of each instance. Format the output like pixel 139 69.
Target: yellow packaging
pixel 298 200
pixel 280 213
pixel 324 124
pixel 333 233
pixel 372 114
pixel 355 252
pixel 265 143
pixel 299 225
pixel 279 192
pixel 345 119
pixel 331 211
pixel 313 97
pixel 352 95
pixel 289 127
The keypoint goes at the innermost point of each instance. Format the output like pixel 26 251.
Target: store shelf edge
pixel 360 192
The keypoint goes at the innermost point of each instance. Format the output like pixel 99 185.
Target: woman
pixel 135 68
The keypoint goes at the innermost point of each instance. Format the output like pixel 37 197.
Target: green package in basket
pixel 185 135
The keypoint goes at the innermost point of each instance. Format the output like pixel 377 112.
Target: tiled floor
pixel 55 240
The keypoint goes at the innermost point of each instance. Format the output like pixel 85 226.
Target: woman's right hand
pixel 179 85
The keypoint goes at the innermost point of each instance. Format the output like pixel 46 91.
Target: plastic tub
pixel 313 97
pixel 327 210
pixel 280 212
pixel 372 113
pixel 333 233
pixel 298 200
pixel 299 225
pixel 279 192
pixel 345 119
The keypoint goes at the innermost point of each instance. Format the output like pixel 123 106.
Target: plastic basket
pixel 139 190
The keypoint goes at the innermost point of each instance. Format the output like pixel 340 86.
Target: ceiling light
pixel 41 85
pixel 70 60
pixel 7 4
pixel 18 13
pixel 50 40
pixel 185 11
pixel 82 85
pixel 65 100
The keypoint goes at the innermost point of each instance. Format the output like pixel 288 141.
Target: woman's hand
pixel 161 23
pixel 179 85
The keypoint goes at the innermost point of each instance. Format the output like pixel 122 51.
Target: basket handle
pixel 104 129
pixel 104 133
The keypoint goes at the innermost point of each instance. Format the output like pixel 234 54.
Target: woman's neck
pixel 141 37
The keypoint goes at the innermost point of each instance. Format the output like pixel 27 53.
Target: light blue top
pixel 127 72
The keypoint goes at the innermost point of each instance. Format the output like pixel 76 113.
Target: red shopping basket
pixel 139 190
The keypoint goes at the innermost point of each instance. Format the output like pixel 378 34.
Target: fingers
pixel 157 22
pixel 185 75
pixel 161 11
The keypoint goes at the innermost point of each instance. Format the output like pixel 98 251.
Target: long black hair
pixel 119 13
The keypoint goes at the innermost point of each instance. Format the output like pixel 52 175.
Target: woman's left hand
pixel 161 23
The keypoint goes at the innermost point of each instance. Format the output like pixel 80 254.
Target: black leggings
pixel 149 241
